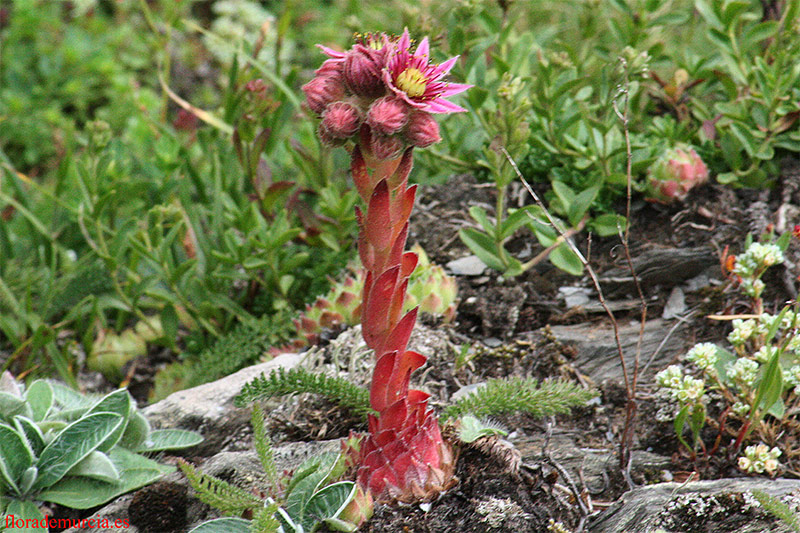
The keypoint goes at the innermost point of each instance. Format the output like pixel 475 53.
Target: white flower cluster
pixel 743 331
pixel 791 377
pixel 765 353
pixel 685 389
pixel 752 263
pixel 741 408
pixel 759 459
pixel 743 371
pixel 704 356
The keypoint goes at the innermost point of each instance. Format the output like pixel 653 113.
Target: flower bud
pixel 363 68
pixel 328 139
pixel 674 174
pixel 321 91
pixel 341 120
pixel 387 115
pixel 330 68
pixel 422 130
pixel 384 147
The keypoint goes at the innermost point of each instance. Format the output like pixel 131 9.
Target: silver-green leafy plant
pixel 758 376
pixel 59 446
pixel 313 495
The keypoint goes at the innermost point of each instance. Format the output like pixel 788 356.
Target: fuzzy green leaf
pixel 15 456
pixel 508 395
pixel 29 513
pixel 170 439
pixel 282 382
pixel 40 397
pixel 72 444
pixel 328 502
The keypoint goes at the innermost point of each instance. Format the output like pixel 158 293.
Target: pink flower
pixel 418 82
pixel 321 91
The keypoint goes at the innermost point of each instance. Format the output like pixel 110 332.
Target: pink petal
pixel 404 43
pixel 330 52
pixel 445 67
pixel 441 105
pixel 454 88
pixel 423 49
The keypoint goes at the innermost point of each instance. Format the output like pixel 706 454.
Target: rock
pixel 574 296
pixel 467 266
pixel 596 349
pixel 209 408
pixel 676 304
pixel 723 505
pixel 658 266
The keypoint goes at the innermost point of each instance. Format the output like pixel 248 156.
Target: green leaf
pixel 25 426
pixel 40 397
pixel 697 421
pixel 169 321
pixel 581 203
pixel 136 433
pixel 517 218
pixel 479 214
pixel 96 465
pixel 68 398
pixel 608 224
pixel 769 387
pixel 223 525
pixel 134 470
pixel 75 442
pixel 679 423
pixel 483 246
pixel 564 258
pixel 328 502
pixel 564 193
pixel 306 481
pixel 11 405
pixel 15 456
pixel 29 513
pixel 170 439
pixel 118 402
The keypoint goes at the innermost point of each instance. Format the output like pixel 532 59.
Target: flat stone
pixel 470 265
pixel 209 408
pixel 723 505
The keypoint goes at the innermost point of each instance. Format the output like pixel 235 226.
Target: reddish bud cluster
pixel 380 84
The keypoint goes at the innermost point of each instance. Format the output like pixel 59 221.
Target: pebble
pixel 467 266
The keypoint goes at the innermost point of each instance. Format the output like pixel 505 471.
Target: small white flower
pixel 744 464
pixel 744 371
pixel 765 353
pixel 743 330
pixel 771 465
pixel 741 408
pixel 670 377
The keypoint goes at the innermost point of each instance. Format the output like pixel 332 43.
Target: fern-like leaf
pixel 219 494
pixel 516 394
pixel 264 520
pixel 282 382
pixel 778 509
pixel 263 446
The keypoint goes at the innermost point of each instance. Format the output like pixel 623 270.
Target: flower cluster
pixel 750 266
pixel 704 356
pixel 743 371
pixel 759 459
pixel 685 389
pixel 381 95
pixel 674 174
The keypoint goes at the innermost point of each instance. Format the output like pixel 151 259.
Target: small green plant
pixel 59 446
pixel 756 68
pixel 313 495
pixel 778 509
pixel 758 377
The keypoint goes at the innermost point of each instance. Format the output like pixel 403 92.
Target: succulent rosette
pixel 674 174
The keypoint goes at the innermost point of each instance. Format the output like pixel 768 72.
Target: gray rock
pixel 676 304
pixel 723 505
pixel 597 354
pixel 209 408
pixel 467 266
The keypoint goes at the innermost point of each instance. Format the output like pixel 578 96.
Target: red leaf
pixel 400 175
pixel 407 363
pixel 409 263
pixel 398 337
pixel 375 315
pixel 399 244
pixel 378 224
pixel 403 206
pixel 358 168
pixel 381 378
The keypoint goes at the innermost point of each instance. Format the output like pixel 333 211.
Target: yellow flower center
pixel 412 82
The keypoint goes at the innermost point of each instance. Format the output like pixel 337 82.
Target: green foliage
pixel 523 395
pixel 778 509
pixel 62 447
pixel 303 502
pixel 282 382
